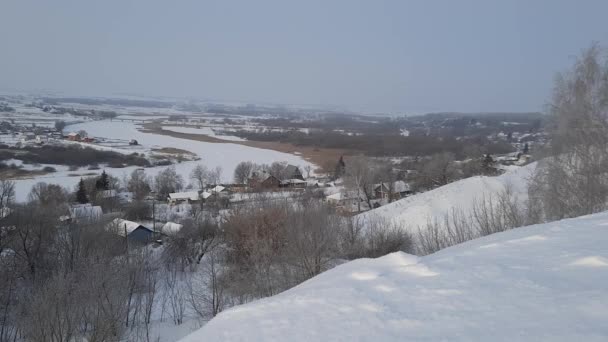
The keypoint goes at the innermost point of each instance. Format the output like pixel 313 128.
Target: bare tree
pixel 206 289
pixel 167 181
pixel 359 178
pixel 437 171
pixel 573 180
pixel 48 195
pixel 243 171
pixel 312 234
pixel 139 184
pixel 193 241
pixel 308 170
pixel 277 169
pixel 215 175
pixel 177 294
pixel 200 175
pixel 60 125
pixel 7 192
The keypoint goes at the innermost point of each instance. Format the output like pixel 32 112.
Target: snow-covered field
pixel 212 154
pixel 416 210
pixel 201 131
pixel 545 282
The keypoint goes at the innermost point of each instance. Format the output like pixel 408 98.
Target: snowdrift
pixel 416 210
pixel 545 282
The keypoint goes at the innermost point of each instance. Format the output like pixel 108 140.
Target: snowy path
pixel 540 283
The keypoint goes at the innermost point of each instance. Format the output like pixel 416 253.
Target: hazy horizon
pixel 385 56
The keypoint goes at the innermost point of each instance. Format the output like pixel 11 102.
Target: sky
pixel 371 56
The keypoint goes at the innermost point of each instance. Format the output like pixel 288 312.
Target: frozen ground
pixel 416 210
pixel 212 154
pixel 545 282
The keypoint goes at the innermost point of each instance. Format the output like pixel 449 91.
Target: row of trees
pixel 245 170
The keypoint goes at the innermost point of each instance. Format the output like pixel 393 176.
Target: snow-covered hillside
pixel 416 210
pixel 545 282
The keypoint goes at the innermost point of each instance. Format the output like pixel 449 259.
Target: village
pixel 159 217
pixel 354 184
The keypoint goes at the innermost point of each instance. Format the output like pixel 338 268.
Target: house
pixel 346 201
pixel 263 179
pixel 41 139
pixel 313 183
pixel 217 189
pixel 27 137
pixel 204 195
pixel 85 213
pixel 73 136
pixel 293 183
pixel 381 190
pixel 133 142
pixel 184 197
pixel 131 230
pixel 292 172
pixel 401 189
pixel 108 194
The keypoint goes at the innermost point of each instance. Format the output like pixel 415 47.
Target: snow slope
pixel 416 210
pixel 545 282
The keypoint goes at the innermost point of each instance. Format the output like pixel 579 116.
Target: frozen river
pixel 227 155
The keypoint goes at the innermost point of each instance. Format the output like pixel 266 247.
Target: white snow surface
pixel 416 210
pixel 546 282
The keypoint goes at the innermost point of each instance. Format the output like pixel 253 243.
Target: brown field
pixel 86 174
pixel 325 158
pixel 21 174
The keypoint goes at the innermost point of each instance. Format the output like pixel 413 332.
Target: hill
pixel 416 210
pixel 544 282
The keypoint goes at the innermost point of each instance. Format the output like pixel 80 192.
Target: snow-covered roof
pixel 336 197
pixel 171 228
pixel 73 134
pixel 118 226
pixel 293 181
pixel 544 282
pixel 349 195
pixel 190 195
pixel 86 212
pixel 401 186
pixel 218 188
pixel 313 182
pixel 205 195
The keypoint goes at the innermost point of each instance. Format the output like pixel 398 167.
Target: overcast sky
pixel 404 56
